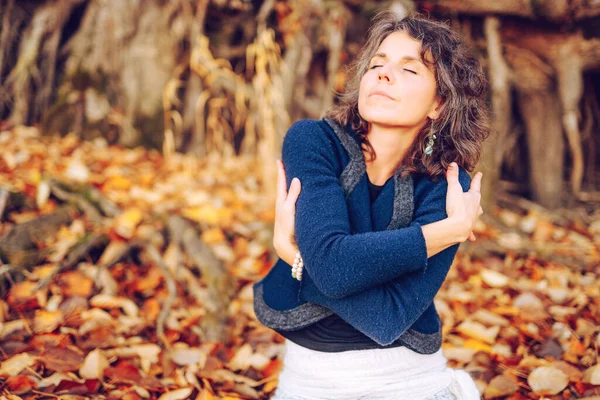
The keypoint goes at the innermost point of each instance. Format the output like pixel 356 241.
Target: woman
pixel 376 225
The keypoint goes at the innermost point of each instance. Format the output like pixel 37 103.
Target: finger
pixel 476 183
pixel 452 174
pixel 281 184
pixel 290 201
pixel 472 237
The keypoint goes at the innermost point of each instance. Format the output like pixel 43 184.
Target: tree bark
pixel 555 11
pixel 541 112
pixel 494 147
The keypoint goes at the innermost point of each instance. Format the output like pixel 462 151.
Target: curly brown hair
pixel 462 125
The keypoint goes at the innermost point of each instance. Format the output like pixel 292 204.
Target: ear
pixel 436 108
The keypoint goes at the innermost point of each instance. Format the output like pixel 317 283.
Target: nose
pixel 383 73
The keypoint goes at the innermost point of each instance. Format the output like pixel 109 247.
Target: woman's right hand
pixel 464 208
pixel 284 240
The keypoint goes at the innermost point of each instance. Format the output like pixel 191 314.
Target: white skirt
pixel 392 373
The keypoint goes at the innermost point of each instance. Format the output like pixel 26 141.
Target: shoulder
pixel 309 140
pixel 310 132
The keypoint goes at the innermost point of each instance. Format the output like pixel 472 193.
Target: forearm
pixel 442 234
pixel 399 303
pixel 438 236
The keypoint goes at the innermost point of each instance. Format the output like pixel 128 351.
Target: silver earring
pixel 429 148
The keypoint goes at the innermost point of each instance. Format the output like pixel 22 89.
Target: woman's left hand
pixel 284 240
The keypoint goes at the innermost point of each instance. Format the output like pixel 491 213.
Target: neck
pixel 391 144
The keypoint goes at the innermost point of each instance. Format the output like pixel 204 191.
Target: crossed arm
pixel 341 264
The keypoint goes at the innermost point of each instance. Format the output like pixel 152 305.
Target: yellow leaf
pixel 478 331
pixel 213 235
pixel 117 182
pixel 209 214
pixel 126 223
pixel 47 321
pixel 477 345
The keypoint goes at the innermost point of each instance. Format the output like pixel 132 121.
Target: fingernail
pixel 295 180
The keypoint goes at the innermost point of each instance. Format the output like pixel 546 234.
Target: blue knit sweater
pixel 366 263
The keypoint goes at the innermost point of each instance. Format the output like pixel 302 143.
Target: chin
pixel 380 118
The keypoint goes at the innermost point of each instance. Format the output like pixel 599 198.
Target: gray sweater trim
pixel 356 168
pixel 309 313
pixel 424 343
pixel 403 201
pixel 287 320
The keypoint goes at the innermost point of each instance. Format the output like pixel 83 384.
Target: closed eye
pixel 410 71
pixel 375 66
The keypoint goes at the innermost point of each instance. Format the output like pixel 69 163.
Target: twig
pixel 3 201
pixel 88 208
pixel 172 292
pixel 5 269
pixel 79 251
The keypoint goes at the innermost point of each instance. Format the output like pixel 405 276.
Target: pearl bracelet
pixel 297 267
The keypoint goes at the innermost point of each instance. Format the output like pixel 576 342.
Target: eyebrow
pixel 404 58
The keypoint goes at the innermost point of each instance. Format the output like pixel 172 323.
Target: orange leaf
pixel 19 384
pixel 23 297
pixel 74 283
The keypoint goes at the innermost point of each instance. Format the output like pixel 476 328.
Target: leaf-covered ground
pixel 521 305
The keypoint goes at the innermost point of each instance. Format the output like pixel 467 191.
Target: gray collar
pixel 356 169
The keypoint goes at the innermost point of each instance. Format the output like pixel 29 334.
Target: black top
pixel 333 334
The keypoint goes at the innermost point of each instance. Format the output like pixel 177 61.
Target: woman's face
pixel 398 89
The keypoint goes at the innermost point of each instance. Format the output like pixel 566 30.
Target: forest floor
pixel 103 299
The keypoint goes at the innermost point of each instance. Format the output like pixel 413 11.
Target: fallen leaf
pixel 17 363
pixel 60 359
pixel 493 278
pixel 529 301
pixel 592 375
pixel 126 223
pixel 94 365
pixel 182 354
pixel 478 331
pixel 500 386
pixel 57 377
pixel 574 374
pixel 458 354
pixel 46 321
pixel 147 352
pixel 246 357
pixel 23 296
pixel 19 384
pixel 74 283
pixel 490 318
pixel 177 394
pixel 547 380
pixel 107 301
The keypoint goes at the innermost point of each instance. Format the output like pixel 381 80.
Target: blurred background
pixel 137 173
pixel 228 77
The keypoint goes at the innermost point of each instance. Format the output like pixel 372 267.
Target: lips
pixel 380 93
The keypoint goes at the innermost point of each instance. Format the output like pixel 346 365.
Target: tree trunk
pixel 542 115
pixel 494 147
